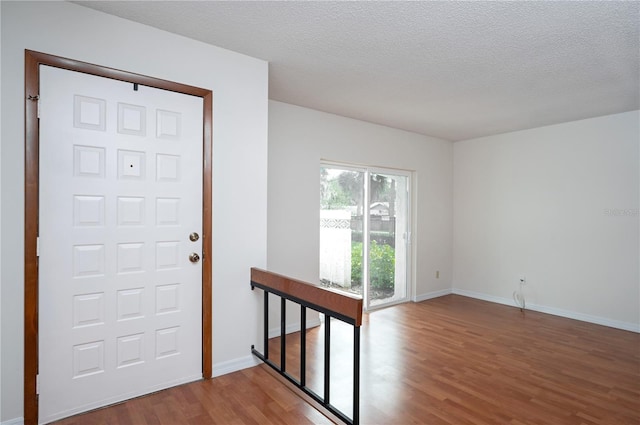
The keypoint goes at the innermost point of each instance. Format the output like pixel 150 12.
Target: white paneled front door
pixel 120 310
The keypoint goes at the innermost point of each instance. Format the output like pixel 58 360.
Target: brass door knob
pixel 194 258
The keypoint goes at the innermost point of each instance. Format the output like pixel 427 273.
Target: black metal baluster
pixel 283 333
pixel 327 356
pixel 356 375
pixel 303 345
pixel 266 324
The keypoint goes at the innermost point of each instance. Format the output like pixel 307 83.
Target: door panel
pixel 342 206
pixel 120 191
pixel 388 238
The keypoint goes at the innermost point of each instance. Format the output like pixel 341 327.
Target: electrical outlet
pixel 437 274
pixel 522 279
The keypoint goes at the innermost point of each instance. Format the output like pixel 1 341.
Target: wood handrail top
pixel 348 305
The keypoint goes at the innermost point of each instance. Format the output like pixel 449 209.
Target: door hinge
pixel 38 246
pixel 35 98
pixel 37 384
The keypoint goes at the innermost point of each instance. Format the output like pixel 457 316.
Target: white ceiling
pixel 454 70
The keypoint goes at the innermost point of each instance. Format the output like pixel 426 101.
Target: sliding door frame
pixel 408 240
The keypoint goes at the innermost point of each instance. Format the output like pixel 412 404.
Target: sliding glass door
pixel 388 238
pixel 364 232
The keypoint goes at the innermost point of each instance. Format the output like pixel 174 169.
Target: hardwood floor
pixel 450 360
pixel 251 396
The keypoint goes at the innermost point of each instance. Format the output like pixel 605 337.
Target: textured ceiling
pixel 454 70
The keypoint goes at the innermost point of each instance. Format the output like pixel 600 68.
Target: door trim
pixel 32 142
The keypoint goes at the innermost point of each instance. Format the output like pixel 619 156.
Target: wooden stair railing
pixel 333 304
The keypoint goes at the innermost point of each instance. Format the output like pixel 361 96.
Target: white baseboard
pixel 632 327
pixel 484 297
pixel 240 363
pixel 294 327
pixel 235 365
pixel 626 326
pixel 15 421
pixel 429 295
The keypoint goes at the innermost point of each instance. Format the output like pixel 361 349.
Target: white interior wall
pixel 558 204
pixel 240 89
pixel 299 138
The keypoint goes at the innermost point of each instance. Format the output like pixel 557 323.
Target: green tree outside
pixel 381 265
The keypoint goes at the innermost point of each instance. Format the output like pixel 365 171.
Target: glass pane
pixel 341 213
pixel 387 234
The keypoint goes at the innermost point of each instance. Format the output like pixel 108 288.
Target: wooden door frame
pixel 33 60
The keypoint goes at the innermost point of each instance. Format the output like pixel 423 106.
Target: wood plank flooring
pixel 451 360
